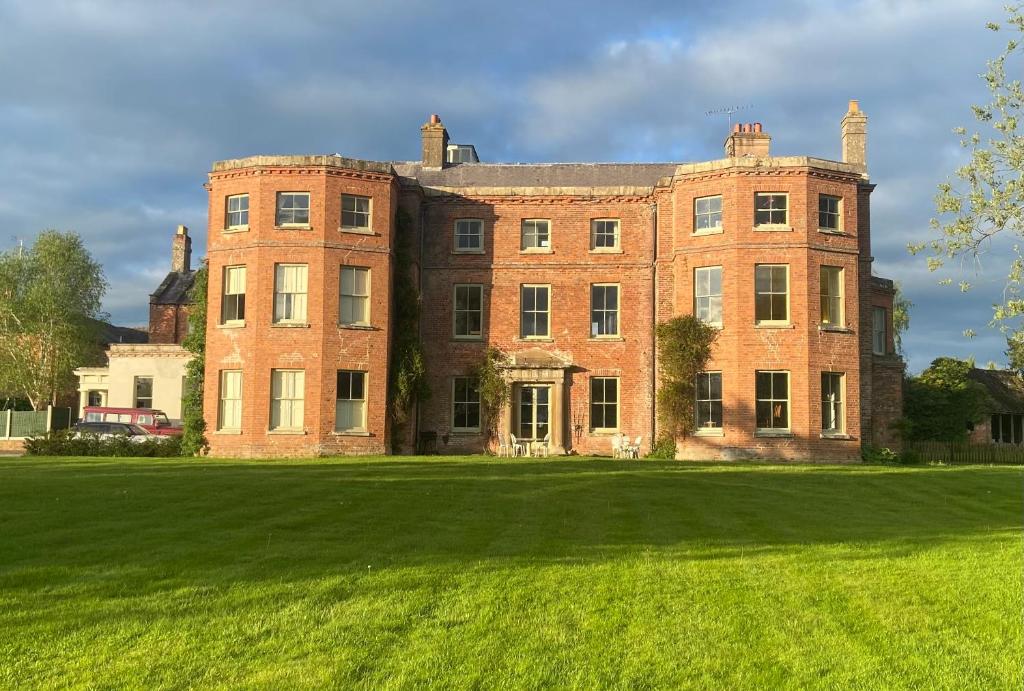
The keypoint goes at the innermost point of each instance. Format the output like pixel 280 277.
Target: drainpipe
pixel 419 316
pixel 654 319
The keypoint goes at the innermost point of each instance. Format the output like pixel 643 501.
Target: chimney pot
pixel 854 106
pixel 435 143
pixel 748 139
pixel 435 119
pixel 757 127
pixel 736 127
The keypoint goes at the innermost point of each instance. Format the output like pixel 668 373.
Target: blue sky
pixel 111 112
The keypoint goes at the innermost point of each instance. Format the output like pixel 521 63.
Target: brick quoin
pixel 653 267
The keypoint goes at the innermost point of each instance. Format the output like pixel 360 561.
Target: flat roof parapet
pixel 303 161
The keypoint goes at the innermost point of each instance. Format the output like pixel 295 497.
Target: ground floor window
pixel 533 403
pixel 95 398
pixel 1008 428
pixel 287 399
pixel 350 406
pixel 832 419
pixel 143 392
pixel 465 405
pixel 229 413
pixel 772 401
pixel 709 400
pixel 604 403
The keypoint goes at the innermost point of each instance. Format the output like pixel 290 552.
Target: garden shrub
pixel 879 455
pixel 663 449
pixel 65 443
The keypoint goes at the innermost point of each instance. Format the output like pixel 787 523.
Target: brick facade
pixel 652 267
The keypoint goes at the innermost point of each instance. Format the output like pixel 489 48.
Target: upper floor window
pixel 534 312
pixel 354 307
pixel 350 405
pixel 707 214
pixel 469 235
pixel 772 401
pixel 771 288
pixel 771 209
pixel 232 304
pixel 604 234
pixel 287 399
pixel 229 410
pixel 355 212
pixel 829 217
pixel 290 293
pixel 831 296
pixel 709 400
pixel 832 418
pixel 143 392
pixel 879 331
pixel 292 209
pixel 468 315
pixel 708 294
pixel 604 403
pixel 604 310
pixel 465 405
pixel 237 211
pixel 535 235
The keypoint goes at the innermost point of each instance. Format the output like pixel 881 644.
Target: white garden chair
pixel 504 448
pixel 633 450
pixel 544 447
pixel 616 445
pixel 518 447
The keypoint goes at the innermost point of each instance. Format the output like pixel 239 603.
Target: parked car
pixel 152 420
pixel 106 430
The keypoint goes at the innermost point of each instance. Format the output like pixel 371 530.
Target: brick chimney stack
pixel 181 251
pixel 435 143
pixel 747 139
pixel 855 136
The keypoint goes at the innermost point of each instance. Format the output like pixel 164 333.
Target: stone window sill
pixel 535 339
pixel 289 325
pixel 228 432
pixel 537 250
pixel 604 432
pixel 465 432
pixel 470 252
pixel 770 325
pixel 294 227
pixel 358 327
pixel 235 229
pixel 826 435
pixel 710 231
pixel 765 228
pixel 606 250
pixel 709 432
pixel 351 433
pixel 836 329
pixel 231 325
pixel 358 231
pixel 840 233
pixel 773 434
pixel 608 339
pixel 467 339
pixel 287 432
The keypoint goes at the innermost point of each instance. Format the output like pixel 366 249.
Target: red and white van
pixel 152 420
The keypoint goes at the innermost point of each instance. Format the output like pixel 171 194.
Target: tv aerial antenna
pixel 728 111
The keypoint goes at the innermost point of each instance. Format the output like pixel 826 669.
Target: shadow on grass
pixel 226 521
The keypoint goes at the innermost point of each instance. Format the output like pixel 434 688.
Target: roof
pixel 109 333
pixel 174 289
pixel 1004 386
pixel 538 174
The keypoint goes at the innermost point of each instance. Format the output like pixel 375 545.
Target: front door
pixel 534 407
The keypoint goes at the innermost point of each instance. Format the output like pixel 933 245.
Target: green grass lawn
pixel 386 573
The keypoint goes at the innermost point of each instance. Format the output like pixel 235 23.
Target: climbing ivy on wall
pixel 494 389
pixel 408 380
pixel 193 440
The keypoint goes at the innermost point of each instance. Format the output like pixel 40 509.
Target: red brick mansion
pixel 566 268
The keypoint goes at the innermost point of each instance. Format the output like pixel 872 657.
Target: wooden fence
pixel 19 424
pixel 966 452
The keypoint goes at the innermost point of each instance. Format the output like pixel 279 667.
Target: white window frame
pixel 710 403
pixel 359 405
pixel 605 404
pixel 772 225
pixel 468 396
pixel 278 223
pixel 703 304
pixel 836 303
pixel 876 333
pixel 228 212
pixel 367 215
pixel 522 310
pixel 287 400
pixel 234 278
pixel 229 406
pixel 833 402
pixel 298 304
pixel 603 310
pixel 599 227
pixel 772 291
pixel 788 400
pixel 468 287
pixel 354 297
pixel 530 228
pixel 468 228
pixel 135 391
pixel 838 213
pixel 712 228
